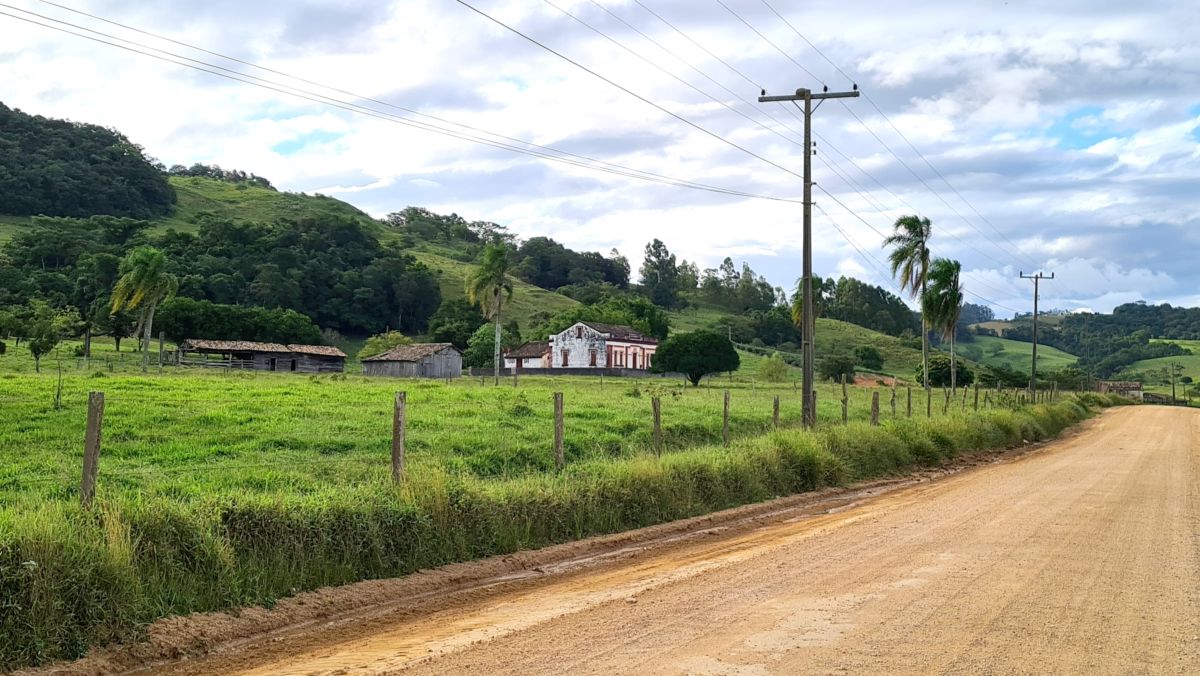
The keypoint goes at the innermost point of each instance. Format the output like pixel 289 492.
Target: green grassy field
pixel 218 490
pixel 1014 354
pixel 1155 368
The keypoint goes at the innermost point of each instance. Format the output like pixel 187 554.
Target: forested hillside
pixel 61 168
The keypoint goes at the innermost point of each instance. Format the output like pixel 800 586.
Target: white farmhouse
pixel 594 345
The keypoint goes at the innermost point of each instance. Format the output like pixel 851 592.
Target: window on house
pixel 591 357
pixel 578 331
pixel 566 357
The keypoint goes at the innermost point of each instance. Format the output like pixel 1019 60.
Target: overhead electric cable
pixel 581 161
pixel 625 89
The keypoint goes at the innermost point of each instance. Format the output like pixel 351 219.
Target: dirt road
pixel 1080 558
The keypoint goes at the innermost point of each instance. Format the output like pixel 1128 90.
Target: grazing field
pixel 1156 371
pixel 1014 354
pixel 217 490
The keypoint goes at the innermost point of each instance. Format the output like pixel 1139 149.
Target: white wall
pixel 579 341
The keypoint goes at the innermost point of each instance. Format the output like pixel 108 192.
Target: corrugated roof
pixel 529 351
pixel 620 332
pixel 319 350
pixel 414 352
pixel 252 346
pixel 232 346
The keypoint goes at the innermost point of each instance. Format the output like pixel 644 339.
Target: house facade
pixel 420 360
pixel 595 345
pixel 528 356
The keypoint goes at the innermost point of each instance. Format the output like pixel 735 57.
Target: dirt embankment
pixel 1083 557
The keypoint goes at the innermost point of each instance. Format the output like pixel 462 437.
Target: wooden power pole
pixel 809 321
pixel 1037 279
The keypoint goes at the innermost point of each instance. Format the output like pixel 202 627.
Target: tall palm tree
pixel 910 262
pixel 488 287
pixel 943 305
pixel 143 283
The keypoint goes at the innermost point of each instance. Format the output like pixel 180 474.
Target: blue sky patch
pixel 298 143
pixel 1080 128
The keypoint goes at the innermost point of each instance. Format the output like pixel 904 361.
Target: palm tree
pixel 488 287
pixel 144 283
pixel 910 260
pixel 943 305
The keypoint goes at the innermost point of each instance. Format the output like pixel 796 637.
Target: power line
pixel 770 42
pixel 565 157
pixel 901 134
pixel 667 72
pixel 632 93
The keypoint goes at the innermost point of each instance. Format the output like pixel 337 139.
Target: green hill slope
pixel 1155 370
pixel 1014 354
pixel 248 202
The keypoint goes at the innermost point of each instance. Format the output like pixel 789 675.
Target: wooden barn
pixel 244 354
pixel 422 360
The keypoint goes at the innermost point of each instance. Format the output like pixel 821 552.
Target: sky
pixel 1061 137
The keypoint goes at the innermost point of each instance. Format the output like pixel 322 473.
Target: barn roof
pixel 529 351
pixel 318 350
pixel 203 345
pixel 619 331
pixel 414 352
pixel 232 346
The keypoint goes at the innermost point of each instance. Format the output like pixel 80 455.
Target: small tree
pixel 773 369
pixel 696 355
pixel 45 330
pixel 940 372
pixel 868 357
pixel 382 342
pixel 835 366
pixel 481 348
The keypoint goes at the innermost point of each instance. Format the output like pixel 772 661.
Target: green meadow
pixel 218 490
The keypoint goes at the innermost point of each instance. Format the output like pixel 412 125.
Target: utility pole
pixel 1172 367
pixel 1037 279
pixel 808 327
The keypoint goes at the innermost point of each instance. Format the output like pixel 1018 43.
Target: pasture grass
pixel 220 490
pixel 1014 354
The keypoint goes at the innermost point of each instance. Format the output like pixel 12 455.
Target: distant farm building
pixel 1124 388
pixel 601 346
pixel 244 354
pixel 528 356
pixel 422 360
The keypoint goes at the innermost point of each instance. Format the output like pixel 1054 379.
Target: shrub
pixel 836 366
pixel 773 369
pixel 868 357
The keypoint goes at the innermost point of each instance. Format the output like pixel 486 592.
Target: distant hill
pixel 1014 354
pixel 62 168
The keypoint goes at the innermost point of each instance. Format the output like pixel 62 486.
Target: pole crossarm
pixel 814 96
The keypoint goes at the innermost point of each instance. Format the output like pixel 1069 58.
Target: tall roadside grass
pixel 71 579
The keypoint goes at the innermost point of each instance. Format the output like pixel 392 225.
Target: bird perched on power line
pixel 826 88
pixel 764 93
pixel 855 86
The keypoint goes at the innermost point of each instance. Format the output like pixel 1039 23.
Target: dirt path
pixel 1081 558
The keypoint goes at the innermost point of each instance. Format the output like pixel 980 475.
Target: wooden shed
pixel 422 360
pixel 245 354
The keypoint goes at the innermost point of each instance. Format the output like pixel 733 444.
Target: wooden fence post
pixel 91 448
pixel 725 421
pixel 656 406
pixel 775 412
pixel 908 388
pixel 987 399
pixel 893 398
pixel 560 460
pixel 976 396
pixel 928 402
pixel 813 421
pixel 964 401
pixel 875 407
pixel 161 337
pixel 845 402
pixel 946 403
pixel 514 376
pixel 398 430
pixel 1054 391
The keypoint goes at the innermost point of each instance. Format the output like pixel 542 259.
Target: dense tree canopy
pixel 183 318
pixel 543 262
pixel 626 310
pixel 696 355
pixel 330 270
pixel 60 168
